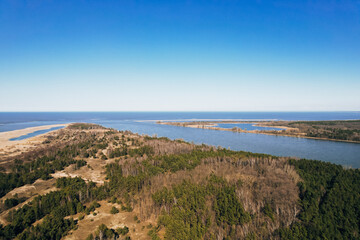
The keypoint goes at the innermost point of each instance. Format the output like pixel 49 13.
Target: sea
pixel 144 123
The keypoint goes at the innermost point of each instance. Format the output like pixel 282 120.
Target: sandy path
pixel 138 230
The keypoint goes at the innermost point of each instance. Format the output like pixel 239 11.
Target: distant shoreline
pixel 212 125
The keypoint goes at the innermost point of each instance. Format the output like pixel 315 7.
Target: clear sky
pixel 78 55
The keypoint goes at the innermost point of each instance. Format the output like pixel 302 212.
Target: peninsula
pixel 88 181
pixel 344 130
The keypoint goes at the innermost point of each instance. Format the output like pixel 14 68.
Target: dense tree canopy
pixel 330 199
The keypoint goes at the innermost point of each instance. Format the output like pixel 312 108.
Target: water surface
pixel 35 133
pixel 347 154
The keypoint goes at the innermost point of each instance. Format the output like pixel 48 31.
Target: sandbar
pixel 8 147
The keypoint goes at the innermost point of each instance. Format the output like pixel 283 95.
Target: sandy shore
pixel 8 147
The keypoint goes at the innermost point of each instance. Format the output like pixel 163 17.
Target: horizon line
pixel 158 111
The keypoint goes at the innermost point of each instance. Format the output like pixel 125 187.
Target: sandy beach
pixel 8 147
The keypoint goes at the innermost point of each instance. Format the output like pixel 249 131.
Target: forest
pixel 348 130
pixel 330 200
pixel 193 191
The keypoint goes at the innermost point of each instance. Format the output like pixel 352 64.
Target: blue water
pixel 38 132
pixel 63 117
pixel 347 154
pixel 247 126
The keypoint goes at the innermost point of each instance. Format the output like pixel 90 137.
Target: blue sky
pixel 179 55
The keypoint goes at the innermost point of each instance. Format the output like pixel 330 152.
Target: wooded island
pixel 344 130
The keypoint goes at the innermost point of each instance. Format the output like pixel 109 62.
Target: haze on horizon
pixel 179 55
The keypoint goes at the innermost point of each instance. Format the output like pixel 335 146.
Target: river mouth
pixel 343 153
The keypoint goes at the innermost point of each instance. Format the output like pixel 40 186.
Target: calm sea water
pixel 347 154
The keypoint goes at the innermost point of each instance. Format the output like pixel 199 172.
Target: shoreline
pixel 213 126
pixel 9 147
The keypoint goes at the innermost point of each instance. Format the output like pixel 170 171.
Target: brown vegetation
pixel 259 180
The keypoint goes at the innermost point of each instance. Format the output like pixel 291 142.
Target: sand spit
pixel 8 148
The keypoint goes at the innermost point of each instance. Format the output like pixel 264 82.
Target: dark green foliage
pixel 52 227
pixel 141 151
pixel 12 202
pixel 228 208
pixel 328 123
pixel 113 199
pixel 79 164
pixel 160 164
pixel 118 152
pixel 122 231
pixel 114 210
pixel 123 151
pixel 90 237
pixel 92 207
pixel 189 161
pixel 85 126
pixel 75 182
pixel 105 232
pixel 268 211
pixel 153 233
pixel 175 163
pixel 56 204
pixel 27 173
pixel 103 156
pixel 339 130
pixel 42 164
pixel 189 217
pixel 119 182
pixel 330 198
pixel 165 139
pixel 126 208
pixel 102 145
pixel 336 133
